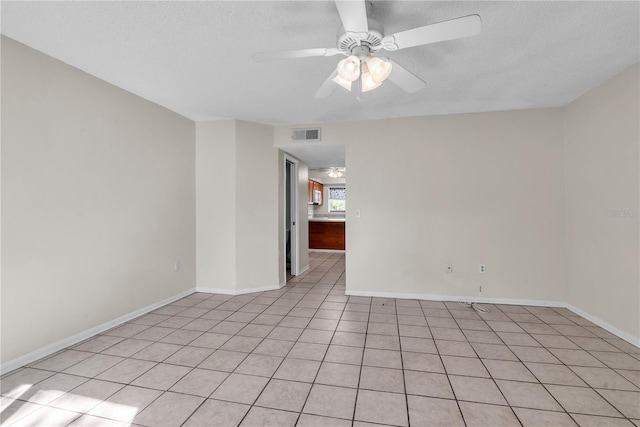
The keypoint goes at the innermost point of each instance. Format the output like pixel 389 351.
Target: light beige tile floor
pixel 308 355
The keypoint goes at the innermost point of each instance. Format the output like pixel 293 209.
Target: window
pixel 337 199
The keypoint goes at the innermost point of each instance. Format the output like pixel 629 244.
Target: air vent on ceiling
pixel 306 134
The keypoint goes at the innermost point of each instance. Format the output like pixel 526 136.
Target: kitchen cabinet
pixel 327 235
pixel 313 187
pixel 319 187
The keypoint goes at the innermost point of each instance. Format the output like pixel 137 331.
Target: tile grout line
pixel 519 360
pixel 325 353
pixel 251 406
pixel 364 348
pixel 192 368
pixel 235 334
pixel 404 380
pixel 482 362
pixel 595 390
pixel 568 367
pixel 443 364
pixel 283 359
pixel 561 363
pixel 229 373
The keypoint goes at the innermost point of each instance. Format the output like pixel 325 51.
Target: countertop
pixel 327 220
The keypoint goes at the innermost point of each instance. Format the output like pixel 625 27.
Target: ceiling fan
pixel 361 39
pixel 334 172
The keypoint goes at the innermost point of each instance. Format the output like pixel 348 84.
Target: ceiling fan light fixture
pixel 349 68
pixel 379 68
pixel 342 82
pixel 335 172
pixel 368 83
pixel 362 38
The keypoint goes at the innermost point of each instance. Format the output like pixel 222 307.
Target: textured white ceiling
pixel 195 57
pixel 318 156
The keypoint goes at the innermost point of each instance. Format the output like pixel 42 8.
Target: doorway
pixel 291 217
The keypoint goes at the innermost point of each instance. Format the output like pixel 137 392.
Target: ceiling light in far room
pixel 349 68
pixel 335 172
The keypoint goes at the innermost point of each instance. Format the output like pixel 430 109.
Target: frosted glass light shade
pixel 368 83
pixel 379 68
pixel 349 68
pixel 334 173
pixel 342 82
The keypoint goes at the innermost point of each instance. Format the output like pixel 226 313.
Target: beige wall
pixel 602 202
pixel 98 201
pixel 238 183
pixel 216 205
pixel 464 189
pixel 282 227
pixel 257 207
pixel 303 216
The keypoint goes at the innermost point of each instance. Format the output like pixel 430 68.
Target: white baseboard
pixel 303 269
pixel 208 290
pixel 538 303
pixel 512 301
pixel 436 297
pixel 239 291
pixel 335 251
pixel 606 326
pixel 81 336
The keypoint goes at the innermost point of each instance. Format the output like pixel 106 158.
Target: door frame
pixel 294 214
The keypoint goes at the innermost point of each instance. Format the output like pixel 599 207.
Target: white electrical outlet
pixel 176 266
pixel 483 268
pixel 448 268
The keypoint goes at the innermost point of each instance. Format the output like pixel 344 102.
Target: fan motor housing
pixel 346 43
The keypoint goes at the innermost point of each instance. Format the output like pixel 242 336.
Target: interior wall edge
pixel 601 144
pixel 52 348
pixel 605 325
pixel 98 201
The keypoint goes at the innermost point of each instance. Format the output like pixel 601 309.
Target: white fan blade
pixel 405 79
pixel 327 87
pixel 442 31
pixel 353 14
pixel 293 54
